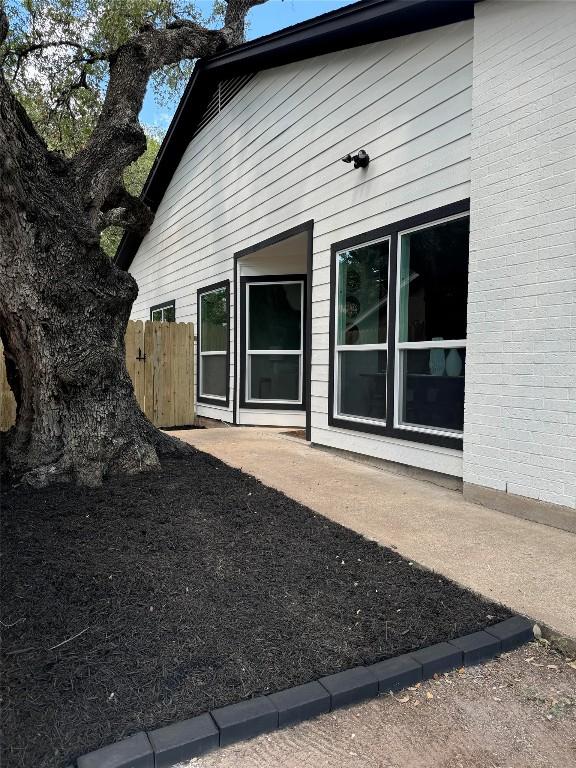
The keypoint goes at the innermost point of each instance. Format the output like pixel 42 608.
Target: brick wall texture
pixel 520 418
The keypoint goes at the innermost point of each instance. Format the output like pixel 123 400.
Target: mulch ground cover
pixel 157 597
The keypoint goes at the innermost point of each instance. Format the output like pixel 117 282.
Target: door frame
pixel 308 227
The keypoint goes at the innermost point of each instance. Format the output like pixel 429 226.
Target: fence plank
pixel 183 373
pixel 139 372
pixel 130 351
pixel 190 363
pixel 149 365
pixel 7 399
pixel 165 395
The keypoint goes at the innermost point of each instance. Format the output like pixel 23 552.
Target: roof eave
pixel 354 25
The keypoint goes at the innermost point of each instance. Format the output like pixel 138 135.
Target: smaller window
pixel 274 350
pixel 362 331
pixel 213 314
pixel 164 313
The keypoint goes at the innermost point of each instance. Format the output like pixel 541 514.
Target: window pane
pixel 164 314
pixel 275 316
pixel 434 282
pixel 214 321
pixel 363 383
pixel 363 294
pixel 214 379
pixel 274 377
pixel 433 387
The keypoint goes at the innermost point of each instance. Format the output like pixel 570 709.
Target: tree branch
pixel 21 146
pixel 20 143
pixel 4 27
pixel 118 138
pixel 122 209
pixel 25 50
pixel 235 19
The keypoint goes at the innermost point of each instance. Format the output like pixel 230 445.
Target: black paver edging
pixel 182 741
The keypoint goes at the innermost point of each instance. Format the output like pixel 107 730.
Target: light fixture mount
pixel 360 160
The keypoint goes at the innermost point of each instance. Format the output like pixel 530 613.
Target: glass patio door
pixel 274 341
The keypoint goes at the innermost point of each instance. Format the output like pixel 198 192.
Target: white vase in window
pixel 437 361
pixel 453 363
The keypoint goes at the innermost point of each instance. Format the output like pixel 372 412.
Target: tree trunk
pixel 64 308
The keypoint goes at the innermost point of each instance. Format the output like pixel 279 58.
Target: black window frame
pixel 203 399
pixel 392 231
pixel 171 303
pixel 272 405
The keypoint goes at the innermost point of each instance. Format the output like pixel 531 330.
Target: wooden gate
pixel 160 361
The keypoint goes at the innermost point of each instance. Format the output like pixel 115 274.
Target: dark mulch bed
pixel 191 589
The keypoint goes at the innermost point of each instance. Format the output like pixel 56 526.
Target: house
pixel 371 218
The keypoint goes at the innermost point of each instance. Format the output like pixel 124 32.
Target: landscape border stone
pixel 164 747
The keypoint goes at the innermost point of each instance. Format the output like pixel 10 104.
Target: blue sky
pixel 263 19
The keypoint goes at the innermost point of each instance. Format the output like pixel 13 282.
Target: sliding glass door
pixel 274 341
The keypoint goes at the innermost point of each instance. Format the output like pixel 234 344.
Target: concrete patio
pixel 529 567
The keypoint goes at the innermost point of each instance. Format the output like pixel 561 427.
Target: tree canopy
pixel 56 58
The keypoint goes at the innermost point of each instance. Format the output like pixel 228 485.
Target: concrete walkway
pixel 529 567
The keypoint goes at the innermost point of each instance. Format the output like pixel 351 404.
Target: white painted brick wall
pixel 520 416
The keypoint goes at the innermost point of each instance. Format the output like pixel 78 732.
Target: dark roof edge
pixel 353 25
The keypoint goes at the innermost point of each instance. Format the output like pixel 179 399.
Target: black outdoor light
pixel 360 160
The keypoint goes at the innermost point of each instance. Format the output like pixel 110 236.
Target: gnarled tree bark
pixel 64 306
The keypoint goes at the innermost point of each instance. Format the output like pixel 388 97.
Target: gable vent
pixel 224 93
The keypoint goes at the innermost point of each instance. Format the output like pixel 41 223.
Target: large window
pixel 274 341
pixel 164 313
pixel 431 326
pixel 399 328
pixel 213 342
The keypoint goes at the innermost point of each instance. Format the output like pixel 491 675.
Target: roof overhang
pixel 364 22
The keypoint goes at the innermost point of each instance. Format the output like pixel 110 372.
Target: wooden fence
pixel 7 400
pixel 160 361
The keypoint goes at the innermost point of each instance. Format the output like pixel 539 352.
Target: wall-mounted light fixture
pixel 360 160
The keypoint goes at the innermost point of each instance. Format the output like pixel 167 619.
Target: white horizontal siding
pixel 269 418
pixel 430 457
pixel 271 160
